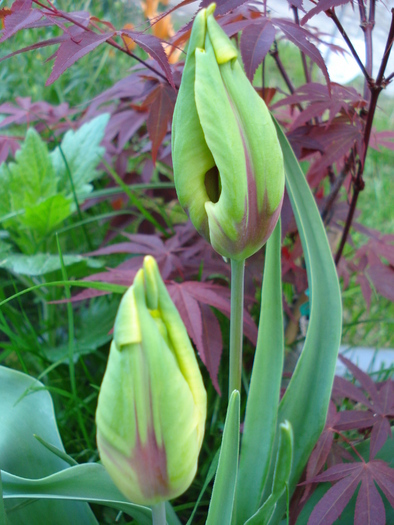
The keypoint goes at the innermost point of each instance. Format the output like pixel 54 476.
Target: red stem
pixel 376 88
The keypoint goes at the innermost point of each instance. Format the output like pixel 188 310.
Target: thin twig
pixel 386 55
pixel 110 41
pixel 358 185
pixel 389 78
pixel 303 57
pixel 337 185
pixel 367 27
pixel 331 14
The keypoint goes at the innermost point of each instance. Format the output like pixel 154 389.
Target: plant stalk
pixel 236 324
pixel 159 514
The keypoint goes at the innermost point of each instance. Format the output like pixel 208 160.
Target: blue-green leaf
pixel 88 482
pixel 22 416
pixel 281 476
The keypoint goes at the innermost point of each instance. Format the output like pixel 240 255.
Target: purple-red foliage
pixel 328 125
pixel 371 409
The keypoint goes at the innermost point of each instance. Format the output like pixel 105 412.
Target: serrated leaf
pixel 300 37
pixel 382 473
pixel 78 45
pixel 256 40
pixel 323 5
pixel 334 501
pixel 212 342
pixel 153 46
pixel 161 102
pixel 47 214
pixel 19 19
pixel 32 177
pixel 78 156
pixel 369 505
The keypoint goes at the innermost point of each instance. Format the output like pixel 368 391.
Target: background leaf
pixel 82 153
pixel 42 263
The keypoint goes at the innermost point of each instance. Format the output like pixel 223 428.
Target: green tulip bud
pixel 228 164
pixel 152 404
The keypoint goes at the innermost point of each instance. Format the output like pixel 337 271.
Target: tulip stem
pixel 236 324
pixel 159 514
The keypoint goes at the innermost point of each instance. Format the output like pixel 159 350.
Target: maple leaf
pixel 320 453
pixel 8 145
pixel 382 138
pixel 379 404
pixel 161 102
pixel 323 5
pixel 79 43
pixel 22 17
pixel 301 38
pixel 336 141
pixel 321 100
pixel 223 6
pixel 153 46
pixel 256 40
pixel 369 504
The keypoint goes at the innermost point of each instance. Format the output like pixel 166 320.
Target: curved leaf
pixel 88 482
pixel 305 403
pixel 22 416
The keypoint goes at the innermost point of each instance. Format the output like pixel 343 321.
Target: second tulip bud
pixel 228 164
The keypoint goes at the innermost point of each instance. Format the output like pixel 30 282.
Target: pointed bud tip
pixel 211 9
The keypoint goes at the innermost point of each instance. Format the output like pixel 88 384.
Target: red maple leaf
pixel 369 504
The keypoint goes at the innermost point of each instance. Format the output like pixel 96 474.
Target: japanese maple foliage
pixel 329 126
pixel 371 412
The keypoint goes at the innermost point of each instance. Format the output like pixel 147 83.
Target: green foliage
pixel 40 189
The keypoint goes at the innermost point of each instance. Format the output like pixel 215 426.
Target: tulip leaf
pixel 306 400
pixel 264 391
pixel 222 500
pixel 281 476
pixel 87 482
pixel 3 517
pixel 22 416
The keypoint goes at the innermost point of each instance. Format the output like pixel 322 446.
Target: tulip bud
pixel 228 164
pixel 152 404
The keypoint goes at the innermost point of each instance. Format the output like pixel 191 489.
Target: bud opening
pixel 213 184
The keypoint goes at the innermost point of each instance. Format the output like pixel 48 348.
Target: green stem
pixel 159 514
pixel 236 324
